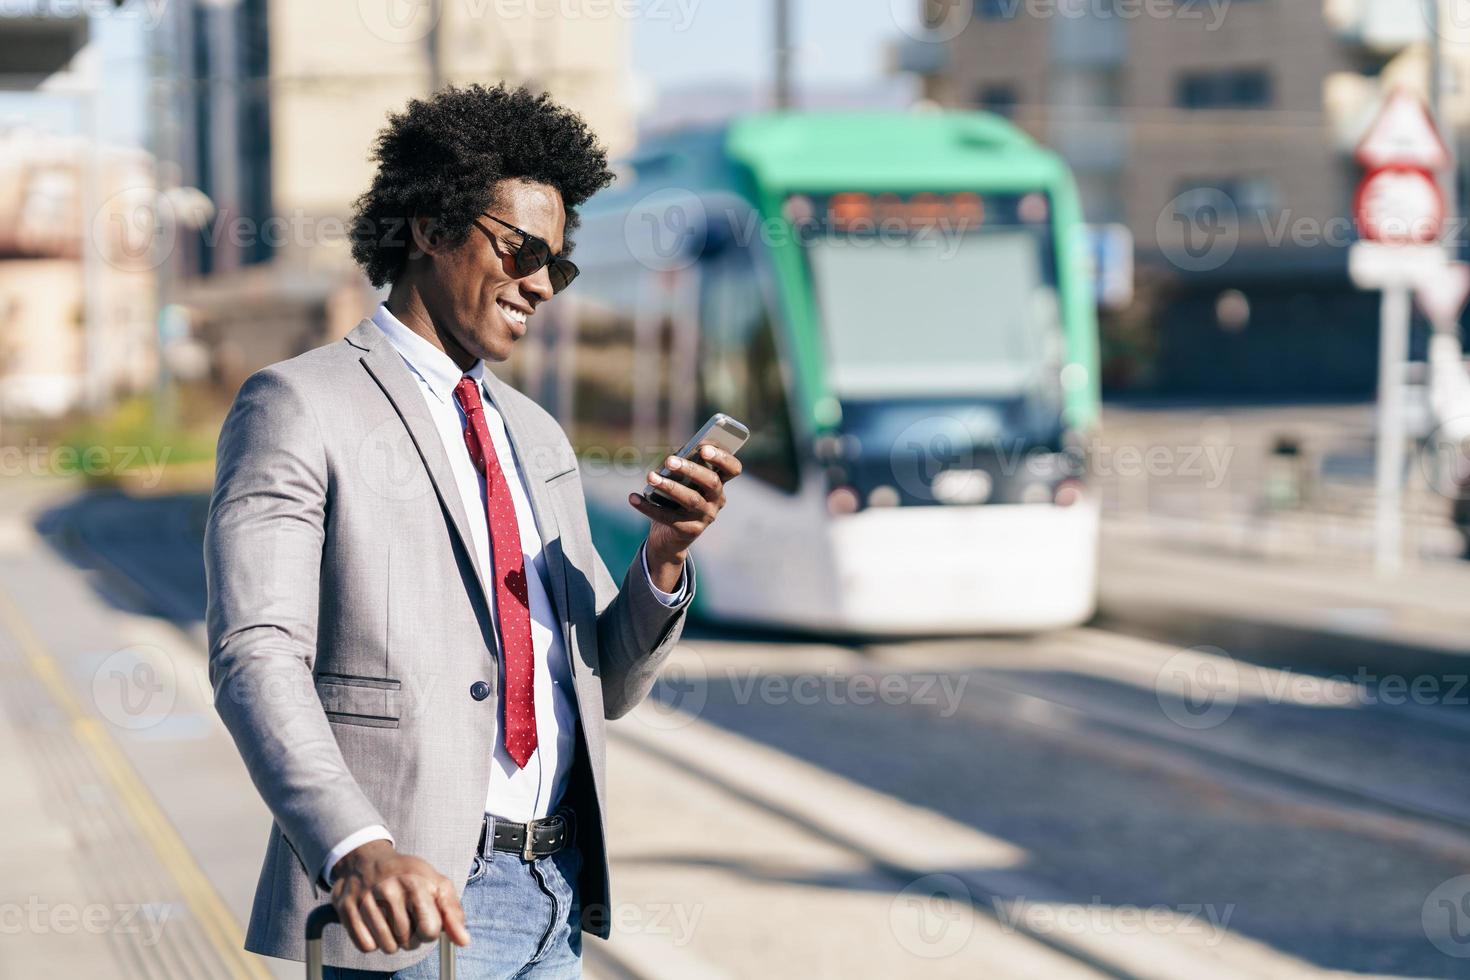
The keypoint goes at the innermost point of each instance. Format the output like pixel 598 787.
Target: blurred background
pixel 1093 604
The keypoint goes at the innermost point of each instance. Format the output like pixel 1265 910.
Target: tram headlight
pixel 884 496
pixel 843 500
pixel 1069 492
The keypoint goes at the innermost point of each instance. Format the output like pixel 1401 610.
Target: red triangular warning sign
pixel 1403 135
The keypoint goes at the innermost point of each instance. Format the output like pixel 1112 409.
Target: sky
pixel 676 44
pixel 841 43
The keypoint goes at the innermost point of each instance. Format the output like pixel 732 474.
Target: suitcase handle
pixel 325 915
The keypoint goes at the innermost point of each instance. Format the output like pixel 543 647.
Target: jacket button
pixel 479 690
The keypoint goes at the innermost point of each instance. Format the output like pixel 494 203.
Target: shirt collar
pixel 436 368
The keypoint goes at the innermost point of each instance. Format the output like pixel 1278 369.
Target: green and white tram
pixel 898 306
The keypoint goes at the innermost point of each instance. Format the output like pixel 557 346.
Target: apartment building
pixel 77 322
pixel 1221 133
pixel 271 108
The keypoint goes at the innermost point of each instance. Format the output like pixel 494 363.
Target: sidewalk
pixel 1294 607
pixel 43 864
pixel 129 795
pixel 130 847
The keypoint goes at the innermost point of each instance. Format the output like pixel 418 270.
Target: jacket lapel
pixel 387 368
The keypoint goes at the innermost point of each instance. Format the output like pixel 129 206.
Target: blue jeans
pixel 524 919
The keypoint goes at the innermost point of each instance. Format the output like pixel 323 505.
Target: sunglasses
pixel 533 254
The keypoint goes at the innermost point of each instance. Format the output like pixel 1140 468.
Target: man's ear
pixel 428 237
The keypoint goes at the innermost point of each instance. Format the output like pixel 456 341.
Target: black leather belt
pixel 537 838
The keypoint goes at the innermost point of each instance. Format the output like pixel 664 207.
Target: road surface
pixel 1087 803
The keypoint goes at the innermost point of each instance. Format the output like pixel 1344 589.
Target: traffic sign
pixel 1442 293
pixel 1374 265
pixel 1399 206
pixel 1403 135
pixel 1400 210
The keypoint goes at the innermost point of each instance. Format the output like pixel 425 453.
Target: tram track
pixel 983 897
pixel 1011 692
pixel 1155 740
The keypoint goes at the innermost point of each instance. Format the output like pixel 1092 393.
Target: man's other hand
pixel 393 901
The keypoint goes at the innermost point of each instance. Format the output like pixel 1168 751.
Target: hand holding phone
pixel 720 431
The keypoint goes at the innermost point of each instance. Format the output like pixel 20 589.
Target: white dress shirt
pixel 515 793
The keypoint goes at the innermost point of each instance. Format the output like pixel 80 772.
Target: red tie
pixel 512 600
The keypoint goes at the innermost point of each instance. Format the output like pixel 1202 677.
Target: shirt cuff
pixel 352 843
pixel 667 598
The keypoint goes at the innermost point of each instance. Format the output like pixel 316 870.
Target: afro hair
pixel 444 158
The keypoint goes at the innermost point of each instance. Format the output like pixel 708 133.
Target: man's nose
pixel 537 286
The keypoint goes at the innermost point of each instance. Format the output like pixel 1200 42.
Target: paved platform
pixel 737 851
pixel 128 770
pixel 132 812
pixel 1213 540
pixel 1294 608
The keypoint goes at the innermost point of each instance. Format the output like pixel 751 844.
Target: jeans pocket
pixel 569 864
pixel 478 867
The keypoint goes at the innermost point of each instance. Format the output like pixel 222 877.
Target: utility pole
pixel 1393 349
pixel 782 87
pixel 1451 183
pixel 1436 80
pixel 433 51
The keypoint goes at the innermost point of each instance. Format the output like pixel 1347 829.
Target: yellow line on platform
pixel 173 854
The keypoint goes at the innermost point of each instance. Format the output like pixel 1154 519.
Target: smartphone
pixel 722 431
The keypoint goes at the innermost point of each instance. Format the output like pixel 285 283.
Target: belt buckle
pixel 529 841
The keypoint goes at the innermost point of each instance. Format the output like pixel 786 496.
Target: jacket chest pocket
pixel 372 702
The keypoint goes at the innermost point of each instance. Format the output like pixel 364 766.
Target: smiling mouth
pixel 515 315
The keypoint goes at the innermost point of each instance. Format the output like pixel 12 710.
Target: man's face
pixel 473 290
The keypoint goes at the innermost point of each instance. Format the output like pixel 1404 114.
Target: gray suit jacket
pixel 348 621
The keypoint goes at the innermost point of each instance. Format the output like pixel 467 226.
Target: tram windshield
pixel 933 294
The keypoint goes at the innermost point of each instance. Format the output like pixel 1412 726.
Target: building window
pixel 1214 201
pixel 999 99
pixel 1233 88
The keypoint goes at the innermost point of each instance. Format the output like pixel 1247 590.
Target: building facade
pixel 1221 133
pixel 271 107
pixel 77 292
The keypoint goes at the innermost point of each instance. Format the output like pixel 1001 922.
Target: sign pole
pixel 1442 121
pixel 1393 352
pixel 1400 213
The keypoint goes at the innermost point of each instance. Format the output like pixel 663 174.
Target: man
pixel 412 638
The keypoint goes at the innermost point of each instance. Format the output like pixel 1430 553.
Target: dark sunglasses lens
pixel 532 255
pixel 562 272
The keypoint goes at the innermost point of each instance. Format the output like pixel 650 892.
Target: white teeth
pixel 519 316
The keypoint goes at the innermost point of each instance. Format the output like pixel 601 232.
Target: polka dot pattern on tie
pixel 512 595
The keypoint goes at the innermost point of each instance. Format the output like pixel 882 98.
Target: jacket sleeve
pixel 262 559
pixel 636 632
